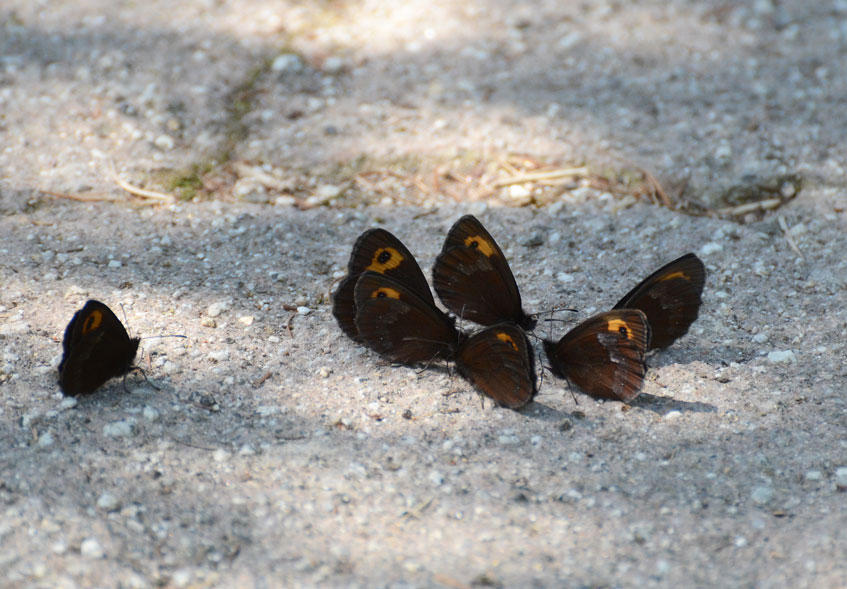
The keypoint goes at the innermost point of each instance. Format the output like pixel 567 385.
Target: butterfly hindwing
pixel 96 348
pixel 498 361
pixel 376 250
pixel 399 324
pixel 670 298
pixel 473 279
pixel 604 355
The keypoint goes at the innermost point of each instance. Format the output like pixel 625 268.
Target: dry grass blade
pixel 537 176
pixel 784 226
pixel 750 207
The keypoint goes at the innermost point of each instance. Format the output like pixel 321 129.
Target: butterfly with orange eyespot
pixel 376 250
pixel 670 298
pixel 405 326
pixel 604 355
pixel 472 277
pixel 96 348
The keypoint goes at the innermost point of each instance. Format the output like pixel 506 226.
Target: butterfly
pixel 473 278
pixel 604 355
pixel 96 348
pixel 404 326
pixel 376 250
pixel 670 298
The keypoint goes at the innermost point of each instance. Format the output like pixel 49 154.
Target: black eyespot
pixel 381 295
pixel 89 323
pixel 474 244
pixel 624 331
pixel 384 257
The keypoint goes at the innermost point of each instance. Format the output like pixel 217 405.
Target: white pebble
pixel 108 502
pixel 45 439
pixel 68 403
pixel 509 439
pixel 673 414
pixel 776 357
pixel 164 142
pixel 119 429
pixel 813 475
pixel 760 338
pixel 564 277
pixel 436 478
pixel 287 62
pixel 220 455
pixel 303 310
pixel 761 495
pixel 216 309
pixel 267 410
pixel 710 248
pixel 91 548
pixel 246 320
pixel 115 264
pixel 150 413
pixel 333 65
pixel 219 355
pixel 841 478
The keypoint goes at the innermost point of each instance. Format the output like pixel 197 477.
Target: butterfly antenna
pixel 126 321
pixel 169 335
pixel 144 374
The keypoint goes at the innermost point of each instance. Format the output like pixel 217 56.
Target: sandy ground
pixel 279 453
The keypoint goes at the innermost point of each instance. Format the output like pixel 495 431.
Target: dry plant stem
pixel 135 191
pixel 750 207
pixel 536 176
pixel 784 226
pixel 75 197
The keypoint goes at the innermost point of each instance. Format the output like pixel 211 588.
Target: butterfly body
pixel 670 298
pixel 96 348
pixel 604 355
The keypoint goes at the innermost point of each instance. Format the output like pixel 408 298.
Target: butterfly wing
pixel 670 297
pixel 499 363
pixel 398 323
pixel 96 347
pixel 604 355
pixel 376 250
pixel 473 278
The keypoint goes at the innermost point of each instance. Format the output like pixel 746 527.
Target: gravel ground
pixel 279 453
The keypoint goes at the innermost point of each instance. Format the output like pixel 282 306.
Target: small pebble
pixel 45 440
pixel 68 403
pixel 91 548
pixel 761 495
pixel 215 309
pixel 115 264
pixel 164 142
pixel 150 413
pixel 776 357
pixel 813 475
pixel 287 62
pixel 436 478
pixel 108 502
pixel 673 414
pixel 303 310
pixel 324 371
pixel 221 455
pixel 710 248
pixel 118 429
pixel 219 355
pixel 841 478
pixel 246 320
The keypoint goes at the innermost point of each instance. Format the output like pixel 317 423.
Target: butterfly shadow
pixel 662 405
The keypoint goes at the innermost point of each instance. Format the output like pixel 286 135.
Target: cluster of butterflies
pixel 385 303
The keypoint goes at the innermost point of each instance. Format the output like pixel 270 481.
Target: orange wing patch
pixel 385 292
pixel 505 337
pixel 92 322
pixel 482 244
pixel 618 326
pixel 675 275
pixel 385 258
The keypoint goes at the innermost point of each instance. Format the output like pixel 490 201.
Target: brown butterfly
pixel 376 250
pixel 96 348
pixel 670 298
pixel 405 327
pixel 604 355
pixel 473 278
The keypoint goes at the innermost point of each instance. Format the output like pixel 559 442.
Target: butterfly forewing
pixel 96 348
pixel 670 298
pixel 376 250
pixel 604 355
pixel 399 324
pixel 499 363
pixel 473 279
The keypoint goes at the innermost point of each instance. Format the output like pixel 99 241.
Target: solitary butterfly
pixel 376 250
pixel 473 278
pixel 96 348
pixel 406 327
pixel 670 298
pixel 604 355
